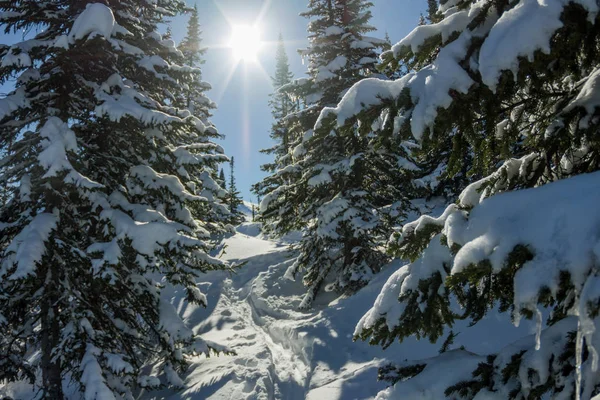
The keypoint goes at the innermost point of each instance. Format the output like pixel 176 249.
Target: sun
pixel 245 42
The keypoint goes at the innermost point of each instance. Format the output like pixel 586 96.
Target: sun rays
pixel 245 42
pixel 246 45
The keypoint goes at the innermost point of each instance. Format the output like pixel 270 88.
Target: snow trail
pixel 254 311
pixel 281 352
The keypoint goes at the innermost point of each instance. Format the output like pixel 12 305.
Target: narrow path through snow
pixel 282 353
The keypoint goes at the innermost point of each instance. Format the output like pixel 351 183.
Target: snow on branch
pixel 556 224
pixel 96 19
pixel 453 69
pixel 29 246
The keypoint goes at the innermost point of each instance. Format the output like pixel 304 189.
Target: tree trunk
pixel 348 254
pixel 51 371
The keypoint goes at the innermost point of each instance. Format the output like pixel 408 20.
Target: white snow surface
pixel 415 39
pixel 559 222
pixel 429 89
pixel 29 246
pixel 283 353
pixel 536 20
pixel 588 96
pixel 96 19
pixel 58 139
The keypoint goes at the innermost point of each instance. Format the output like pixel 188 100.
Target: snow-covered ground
pixel 283 353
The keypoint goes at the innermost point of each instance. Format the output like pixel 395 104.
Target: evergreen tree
pixel 325 186
pixel 281 106
pixel 504 114
pixel 234 201
pixel 99 153
pixel 213 211
pixel 168 34
pixel 193 52
pixel 432 9
pixel 191 45
pixel 222 180
pixel 388 42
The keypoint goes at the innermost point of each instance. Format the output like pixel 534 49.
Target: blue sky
pixel 243 115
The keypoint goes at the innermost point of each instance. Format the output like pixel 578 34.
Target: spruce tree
pixel 99 153
pixel 234 201
pixel 168 34
pixel 191 45
pixel 432 9
pixel 325 184
pixel 214 211
pixel 515 121
pixel 282 104
pixel 222 180
pixel 193 52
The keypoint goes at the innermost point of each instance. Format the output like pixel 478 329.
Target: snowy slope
pixel 283 353
pixel 286 354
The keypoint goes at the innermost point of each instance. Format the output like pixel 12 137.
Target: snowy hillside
pixel 286 354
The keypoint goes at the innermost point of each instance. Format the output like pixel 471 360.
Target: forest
pixel 427 226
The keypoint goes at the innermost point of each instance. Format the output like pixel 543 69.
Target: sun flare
pixel 245 42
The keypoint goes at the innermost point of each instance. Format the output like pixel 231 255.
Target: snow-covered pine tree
pixel 214 211
pixel 97 147
pixel 222 180
pixel 359 187
pixel 168 34
pixel 233 198
pixel 514 86
pixel 327 191
pixel 432 9
pixel 281 106
pixel 191 45
pixel 193 52
pixel 339 54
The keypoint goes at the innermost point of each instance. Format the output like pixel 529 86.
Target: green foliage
pixel 483 379
pixel 282 104
pixel 426 314
pixel 521 134
pixel 191 46
pixel 233 199
pixel 91 293
pixel 348 214
pixel 410 247
pixel 448 342
pixel 392 374
pixel 432 12
pixel 478 288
